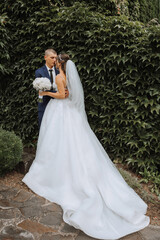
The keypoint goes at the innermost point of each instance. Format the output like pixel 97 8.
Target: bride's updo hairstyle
pixel 63 58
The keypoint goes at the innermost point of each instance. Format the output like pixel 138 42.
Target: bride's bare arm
pixel 61 90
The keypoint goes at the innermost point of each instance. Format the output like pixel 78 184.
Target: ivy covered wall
pixel 142 10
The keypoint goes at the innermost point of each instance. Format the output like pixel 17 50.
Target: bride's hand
pixel 66 93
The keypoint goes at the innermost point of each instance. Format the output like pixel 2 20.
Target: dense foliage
pixel 5 42
pixel 10 151
pixel 142 10
pixel 149 10
pixel 108 7
pixel 118 61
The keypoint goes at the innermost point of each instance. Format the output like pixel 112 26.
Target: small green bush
pixel 10 151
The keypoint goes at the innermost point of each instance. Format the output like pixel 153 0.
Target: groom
pixel 49 71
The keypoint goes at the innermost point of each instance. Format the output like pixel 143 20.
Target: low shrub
pixel 10 151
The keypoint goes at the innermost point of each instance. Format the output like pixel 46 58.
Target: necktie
pixel 51 74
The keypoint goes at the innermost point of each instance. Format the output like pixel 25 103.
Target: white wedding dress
pixel 72 169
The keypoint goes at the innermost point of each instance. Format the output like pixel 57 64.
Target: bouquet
pixel 42 84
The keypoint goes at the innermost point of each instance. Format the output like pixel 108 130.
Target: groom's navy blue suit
pixel 43 72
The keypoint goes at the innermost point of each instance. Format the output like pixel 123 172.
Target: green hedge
pixel 10 151
pixel 5 47
pixel 106 7
pixel 149 10
pixel 142 10
pixel 118 61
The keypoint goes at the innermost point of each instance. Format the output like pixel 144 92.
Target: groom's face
pixel 50 59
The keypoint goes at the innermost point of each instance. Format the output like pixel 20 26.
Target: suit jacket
pixel 43 72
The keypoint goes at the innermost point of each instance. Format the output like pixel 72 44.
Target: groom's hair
pixel 50 50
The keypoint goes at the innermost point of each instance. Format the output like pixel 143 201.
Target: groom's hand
pixel 66 93
pixel 42 93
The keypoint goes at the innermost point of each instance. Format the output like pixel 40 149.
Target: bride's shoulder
pixel 59 78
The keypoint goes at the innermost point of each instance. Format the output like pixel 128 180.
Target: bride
pixel 72 169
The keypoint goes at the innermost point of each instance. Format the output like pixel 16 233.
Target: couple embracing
pixel 50 71
pixel 72 169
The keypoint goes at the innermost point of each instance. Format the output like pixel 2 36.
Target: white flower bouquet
pixel 41 84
